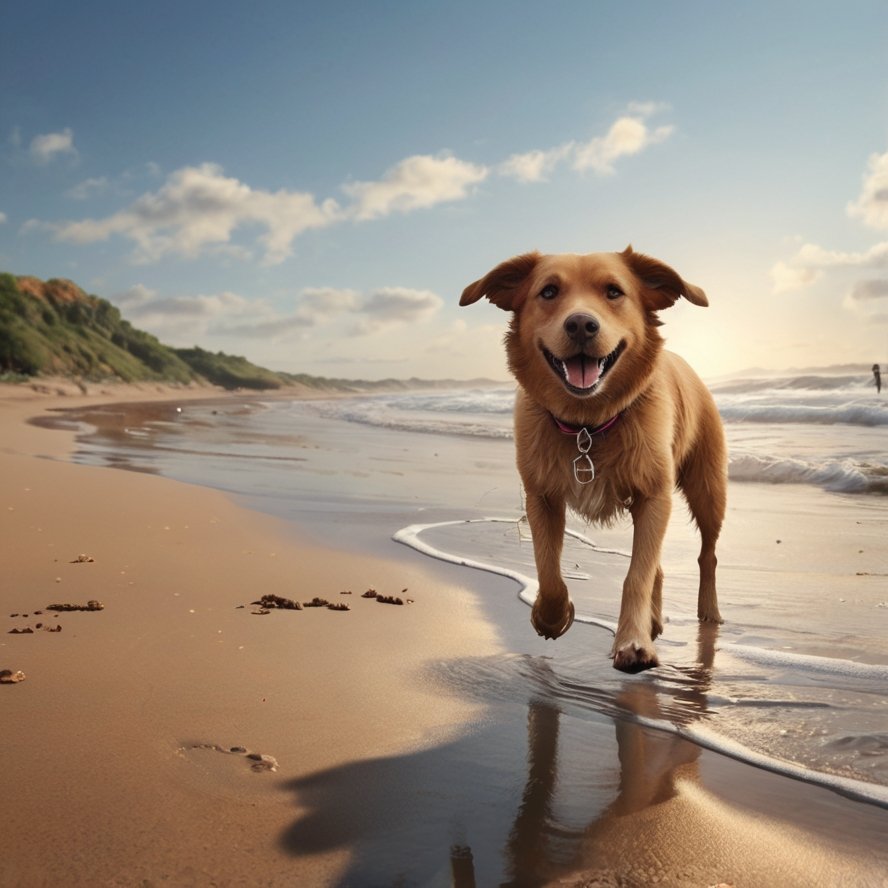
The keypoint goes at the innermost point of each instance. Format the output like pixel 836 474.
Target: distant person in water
pixel 877 376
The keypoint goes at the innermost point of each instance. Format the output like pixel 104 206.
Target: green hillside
pixel 54 328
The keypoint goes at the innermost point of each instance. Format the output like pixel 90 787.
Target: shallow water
pixel 763 699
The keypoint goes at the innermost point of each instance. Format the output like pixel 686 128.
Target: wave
pixel 805 382
pixel 860 412
pixel 477 413
pixel 835 475
pixel 487 412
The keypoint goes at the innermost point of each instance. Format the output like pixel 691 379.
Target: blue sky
pixel 312 185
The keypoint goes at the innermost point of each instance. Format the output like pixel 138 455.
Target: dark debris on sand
pixel 91 605
pixel 277 601
pixel 267 603
pixel 7 676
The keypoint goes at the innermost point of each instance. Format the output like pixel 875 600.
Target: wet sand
pixel 415 744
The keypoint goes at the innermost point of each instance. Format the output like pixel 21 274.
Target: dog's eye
pixel 550 291
pixel 612 291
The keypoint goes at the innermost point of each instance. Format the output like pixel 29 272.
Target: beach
pixel 183 735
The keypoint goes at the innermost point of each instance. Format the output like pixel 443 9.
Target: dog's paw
pixel 549 624
pixel 634 658
pixel 710 617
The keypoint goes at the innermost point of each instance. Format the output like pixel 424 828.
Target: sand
pixel 179 736
pixel 101 781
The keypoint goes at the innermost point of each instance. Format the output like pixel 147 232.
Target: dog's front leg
pixel 553 611
pixel 633 646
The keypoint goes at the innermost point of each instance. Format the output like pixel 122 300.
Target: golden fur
pixel 570 313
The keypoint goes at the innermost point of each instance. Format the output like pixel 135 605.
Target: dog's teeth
pixel 564 368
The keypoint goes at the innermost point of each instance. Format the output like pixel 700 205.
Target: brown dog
pixel 606 422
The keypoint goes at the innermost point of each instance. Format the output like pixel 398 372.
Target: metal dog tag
pixel 584 469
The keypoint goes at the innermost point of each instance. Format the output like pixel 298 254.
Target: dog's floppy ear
pixel 664 284
pixel 503 286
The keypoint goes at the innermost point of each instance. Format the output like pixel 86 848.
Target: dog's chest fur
pixel 626 464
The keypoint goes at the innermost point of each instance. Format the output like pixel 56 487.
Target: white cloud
pixel 872 204
pixel 88 187
pixel 813 255
pixel 534 166
pixel 319 304
pixel 867 291
pixel 869 300
pixel 877 289
pixel 464 342
pixel 183 320
pixel 384 307
pixel 143 303
pixel 135 296
pixel 179 319
pixel 790 277
pixel 416 182
pixel 30 225
pixel 199 209
pixel 3 218
pixel 810 262
pixel 50 146
pixel 646 109
pixel 627 135
pixel 400 305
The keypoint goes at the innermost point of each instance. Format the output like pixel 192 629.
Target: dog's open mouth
pixel 582 373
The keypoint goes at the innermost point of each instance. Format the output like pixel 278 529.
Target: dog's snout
pixel 581 327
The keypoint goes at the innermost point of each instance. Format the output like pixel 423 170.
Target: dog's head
pixel 584 327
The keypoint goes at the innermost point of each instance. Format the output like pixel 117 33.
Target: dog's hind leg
pixel 703 481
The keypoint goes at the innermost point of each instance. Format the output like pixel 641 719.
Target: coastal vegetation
pixel 54 328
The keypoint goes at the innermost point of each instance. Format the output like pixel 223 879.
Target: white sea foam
pixel 702 735
pixel 860 790
pixel 528 586
pixel 811 664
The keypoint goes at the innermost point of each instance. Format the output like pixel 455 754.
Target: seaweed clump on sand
pixel 91 605
pixel 277 601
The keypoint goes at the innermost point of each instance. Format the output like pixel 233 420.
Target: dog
pixel 607 422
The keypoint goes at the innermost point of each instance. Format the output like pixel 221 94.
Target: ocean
pixel 795 680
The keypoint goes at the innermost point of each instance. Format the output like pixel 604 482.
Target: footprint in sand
pixel 258 761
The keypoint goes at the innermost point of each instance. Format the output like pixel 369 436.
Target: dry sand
pixel 116 763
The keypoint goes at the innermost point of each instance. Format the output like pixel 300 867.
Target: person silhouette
pixel 877 377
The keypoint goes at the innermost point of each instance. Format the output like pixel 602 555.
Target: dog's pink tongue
pixel 582 372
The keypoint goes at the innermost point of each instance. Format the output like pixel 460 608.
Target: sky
pixel 312 185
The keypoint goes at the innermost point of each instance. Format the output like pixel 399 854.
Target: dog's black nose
pixel 581 327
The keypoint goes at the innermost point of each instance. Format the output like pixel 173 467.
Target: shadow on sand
pixel 518 800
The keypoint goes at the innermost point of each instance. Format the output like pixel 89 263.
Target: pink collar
pixel 567 429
